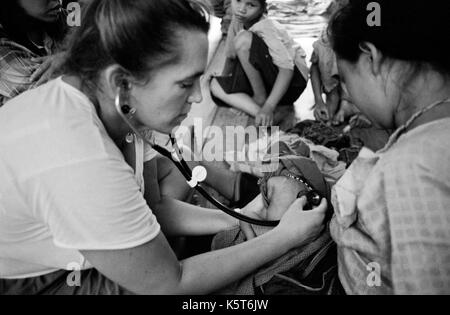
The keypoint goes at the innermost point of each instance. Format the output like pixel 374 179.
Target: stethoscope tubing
pixel 184 170
pixel 187 173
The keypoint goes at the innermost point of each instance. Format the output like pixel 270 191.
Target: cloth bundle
pixel 333 138
pixel 264 155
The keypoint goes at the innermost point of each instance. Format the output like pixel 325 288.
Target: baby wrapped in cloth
pixel 314 262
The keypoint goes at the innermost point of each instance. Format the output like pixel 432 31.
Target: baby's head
pixel 248 11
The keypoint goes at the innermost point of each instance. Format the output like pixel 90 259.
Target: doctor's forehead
pixel 192 54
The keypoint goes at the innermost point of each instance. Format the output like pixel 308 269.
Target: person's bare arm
pixel 154 269
pixel 235 27
pixel 320 108
pixel 316 83
pixel 176 217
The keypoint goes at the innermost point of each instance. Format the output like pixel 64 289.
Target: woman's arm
pixel 154 269
pixel 321 109
pixel 178 218
pixel 316 83
pixel 182 219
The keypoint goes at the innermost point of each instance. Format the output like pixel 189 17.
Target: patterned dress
pixel 392 215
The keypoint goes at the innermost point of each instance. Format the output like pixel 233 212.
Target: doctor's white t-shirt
pixel 64 185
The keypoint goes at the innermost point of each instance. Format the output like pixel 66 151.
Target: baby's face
pixel 282 192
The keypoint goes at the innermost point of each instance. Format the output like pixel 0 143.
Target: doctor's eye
pixel 186 85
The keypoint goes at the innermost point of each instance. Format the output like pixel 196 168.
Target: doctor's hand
pixel 301 227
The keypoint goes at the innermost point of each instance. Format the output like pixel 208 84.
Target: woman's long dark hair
pixel 16 24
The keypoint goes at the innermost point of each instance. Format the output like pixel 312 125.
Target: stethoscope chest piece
pixel 199 174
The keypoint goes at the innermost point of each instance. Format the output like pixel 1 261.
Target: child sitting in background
pixel 337 109
pixel 265 72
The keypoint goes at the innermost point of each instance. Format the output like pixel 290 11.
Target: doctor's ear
pixel 116 79
pixel 123 83
pixel 373 55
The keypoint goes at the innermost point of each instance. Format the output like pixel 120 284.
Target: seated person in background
pixel 338 108
pixel 338 111
pixel 30 32
pixel 325 79
pixel 265 73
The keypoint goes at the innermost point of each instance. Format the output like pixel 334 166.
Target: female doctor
pixel 68 197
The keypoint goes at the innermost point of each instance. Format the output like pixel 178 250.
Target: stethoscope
pixel 199 174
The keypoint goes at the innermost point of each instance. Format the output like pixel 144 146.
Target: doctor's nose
pixel 196 96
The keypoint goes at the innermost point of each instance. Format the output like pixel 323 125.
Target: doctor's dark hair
pixel 411 30
pixel 137 35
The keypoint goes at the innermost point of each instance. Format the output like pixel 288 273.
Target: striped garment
pixel 16 67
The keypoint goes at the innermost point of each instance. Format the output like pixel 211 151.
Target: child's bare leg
pixel 321 112
pixel 240 101
pixel 243 43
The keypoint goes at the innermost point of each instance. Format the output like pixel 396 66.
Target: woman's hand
pixel 299 226
pixel 47 68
